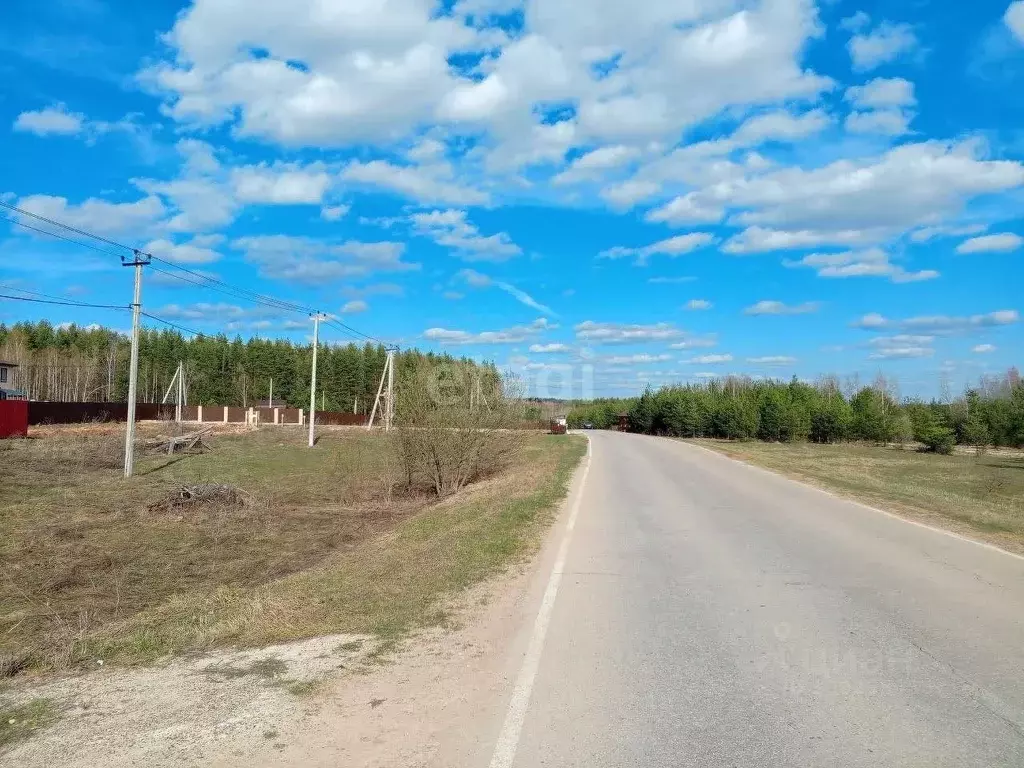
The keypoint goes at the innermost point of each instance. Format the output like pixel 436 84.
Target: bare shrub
pixel 456 425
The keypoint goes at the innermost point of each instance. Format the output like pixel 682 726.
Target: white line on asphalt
pixel 887 513
pixel 508 739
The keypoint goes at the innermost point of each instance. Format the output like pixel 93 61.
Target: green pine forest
pixel 990 414
pixel 76 364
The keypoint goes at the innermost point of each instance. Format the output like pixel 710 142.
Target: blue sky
pixel 647 192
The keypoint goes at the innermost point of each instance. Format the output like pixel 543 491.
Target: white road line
pixel 508 739
pixel 838 497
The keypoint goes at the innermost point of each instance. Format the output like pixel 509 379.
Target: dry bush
pixel 445 442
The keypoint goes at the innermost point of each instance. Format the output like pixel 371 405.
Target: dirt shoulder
pixel 414 618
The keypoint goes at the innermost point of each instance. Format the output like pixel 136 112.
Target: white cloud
pixel 305 260
pixel 686 209
pixel 99 216
pixel 281 183
pixel 421 183
pixel 334 212
pixel 779 308
pixel 547 349
pixel 695 342
pixel 871 262
pixel 623 333
pixel 478 280
pixel 982 349
pixel 698 304
pixel 849 202
pixel 772 360
pixel 761 239
pixel 855 23
pixel 870 321
pixel 513 335
pixel 881 93
pixel 902 340
pixel 940 325
pixel 882 45
pixel 888 122
pixel 673 246
pixel 196 251
pixel 1014 18
pixel 366 71
pixel 593 165
pixel 629 193
pixel 1002 242
pixel 227 317
pixel 670 280
pixel 452 229
pixel 710 359
pixel 901 353
pixel 925 234
pixel 635 359
pixel 55 120
pixel 355 306
pixel 780 126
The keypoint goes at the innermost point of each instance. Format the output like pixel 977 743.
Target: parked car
pixel 587 425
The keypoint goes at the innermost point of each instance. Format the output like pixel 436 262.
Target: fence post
pixel 225 414
pixel 277 414
pixel 302 417
pixel 199 413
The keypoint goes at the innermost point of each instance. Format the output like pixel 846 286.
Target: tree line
pixel 90 364
pixel 991 414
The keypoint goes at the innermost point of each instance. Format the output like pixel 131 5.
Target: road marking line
pixel 508 739
pixel 838 497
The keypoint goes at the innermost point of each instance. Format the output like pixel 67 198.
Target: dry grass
pixel 328 540
pixel 980 495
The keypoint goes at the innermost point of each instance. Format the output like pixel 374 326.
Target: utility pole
pixel 139 260
pixel 271 403
pixel 312 384
pixel 390 413
pixel 387 403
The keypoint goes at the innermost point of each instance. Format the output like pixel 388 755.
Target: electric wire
pixel 62 302
pixel 207 281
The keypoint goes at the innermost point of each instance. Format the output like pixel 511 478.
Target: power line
pixel 62 225
pixel 61 302
pixel 181 328
pixel 60 237
pixel 207 281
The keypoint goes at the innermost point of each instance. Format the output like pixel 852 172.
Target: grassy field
pixel 979 495
pixel 325 540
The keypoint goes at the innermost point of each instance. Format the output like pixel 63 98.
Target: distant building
pixel 7 390
pixel 275 403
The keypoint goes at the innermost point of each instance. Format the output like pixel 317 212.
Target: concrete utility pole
pixel 138 261
pixel 312 384
pixel 271 403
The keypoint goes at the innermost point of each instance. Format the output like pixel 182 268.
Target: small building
pixel 274 403
pixel 7 390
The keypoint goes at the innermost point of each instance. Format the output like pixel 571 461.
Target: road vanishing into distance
pixel 714 614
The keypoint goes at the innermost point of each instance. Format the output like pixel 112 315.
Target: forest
pixel 75 364
pixel 990 414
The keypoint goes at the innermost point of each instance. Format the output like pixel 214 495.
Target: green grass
pixel 21 722
pixel 327 542
pixel 982 495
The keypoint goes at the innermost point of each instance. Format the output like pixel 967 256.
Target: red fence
pixel 78 413
pixel 13 418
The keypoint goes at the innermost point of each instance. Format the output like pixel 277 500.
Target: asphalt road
pixel 713 614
